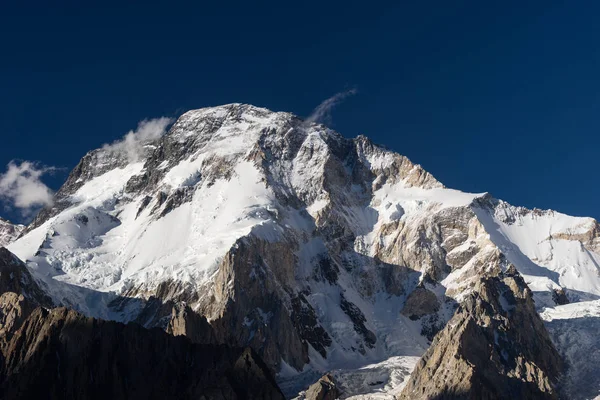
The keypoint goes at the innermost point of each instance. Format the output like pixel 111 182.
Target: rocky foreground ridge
pixel 494 347
pixel 323 254
pixel 59 353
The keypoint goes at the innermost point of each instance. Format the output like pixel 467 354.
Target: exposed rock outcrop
pixel 588 236
pixel 248 305
pixel 419 303
pixel 188 323
pixel 324 389
pixel 14 277
pixel 560 296
pixel 19 295
pixel 495 347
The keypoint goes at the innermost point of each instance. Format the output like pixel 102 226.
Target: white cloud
pixel 134 141
pixel 322 114
pixel 21 186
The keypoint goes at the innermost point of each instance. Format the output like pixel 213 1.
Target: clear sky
pixel 502 97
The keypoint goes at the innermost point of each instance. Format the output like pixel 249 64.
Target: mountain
pixel 9 232
pixel 323 254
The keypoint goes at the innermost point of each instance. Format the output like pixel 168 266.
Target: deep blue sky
pixel 501 97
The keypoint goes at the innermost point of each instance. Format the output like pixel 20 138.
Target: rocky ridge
pixel 59 353
pixel 494 347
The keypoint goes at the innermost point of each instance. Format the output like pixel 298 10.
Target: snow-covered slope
pixel 553 251
pixel 321 252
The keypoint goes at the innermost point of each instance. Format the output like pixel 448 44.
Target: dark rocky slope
pixel 59 353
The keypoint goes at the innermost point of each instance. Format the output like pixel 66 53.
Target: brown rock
pixel 495 347
pixel 324 389
pixel 194 326
pixel 14 277
pixel 420 302
pixel 247 302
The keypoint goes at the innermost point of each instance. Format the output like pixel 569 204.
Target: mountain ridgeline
pixel 252 244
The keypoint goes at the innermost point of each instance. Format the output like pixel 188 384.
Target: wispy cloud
pixel 134 141
pixel 21 187
pixel 322 114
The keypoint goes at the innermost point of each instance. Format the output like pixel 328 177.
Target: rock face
pixel 185 322
pixel 419 303
pixel 495 347
pixel 16 278
pixel 19 295
pixel 324 389
pixel 59 353
pixel 560 297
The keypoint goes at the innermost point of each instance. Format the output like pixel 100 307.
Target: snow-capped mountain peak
pixel 319 251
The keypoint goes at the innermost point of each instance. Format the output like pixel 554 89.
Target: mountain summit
pixel 322 254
